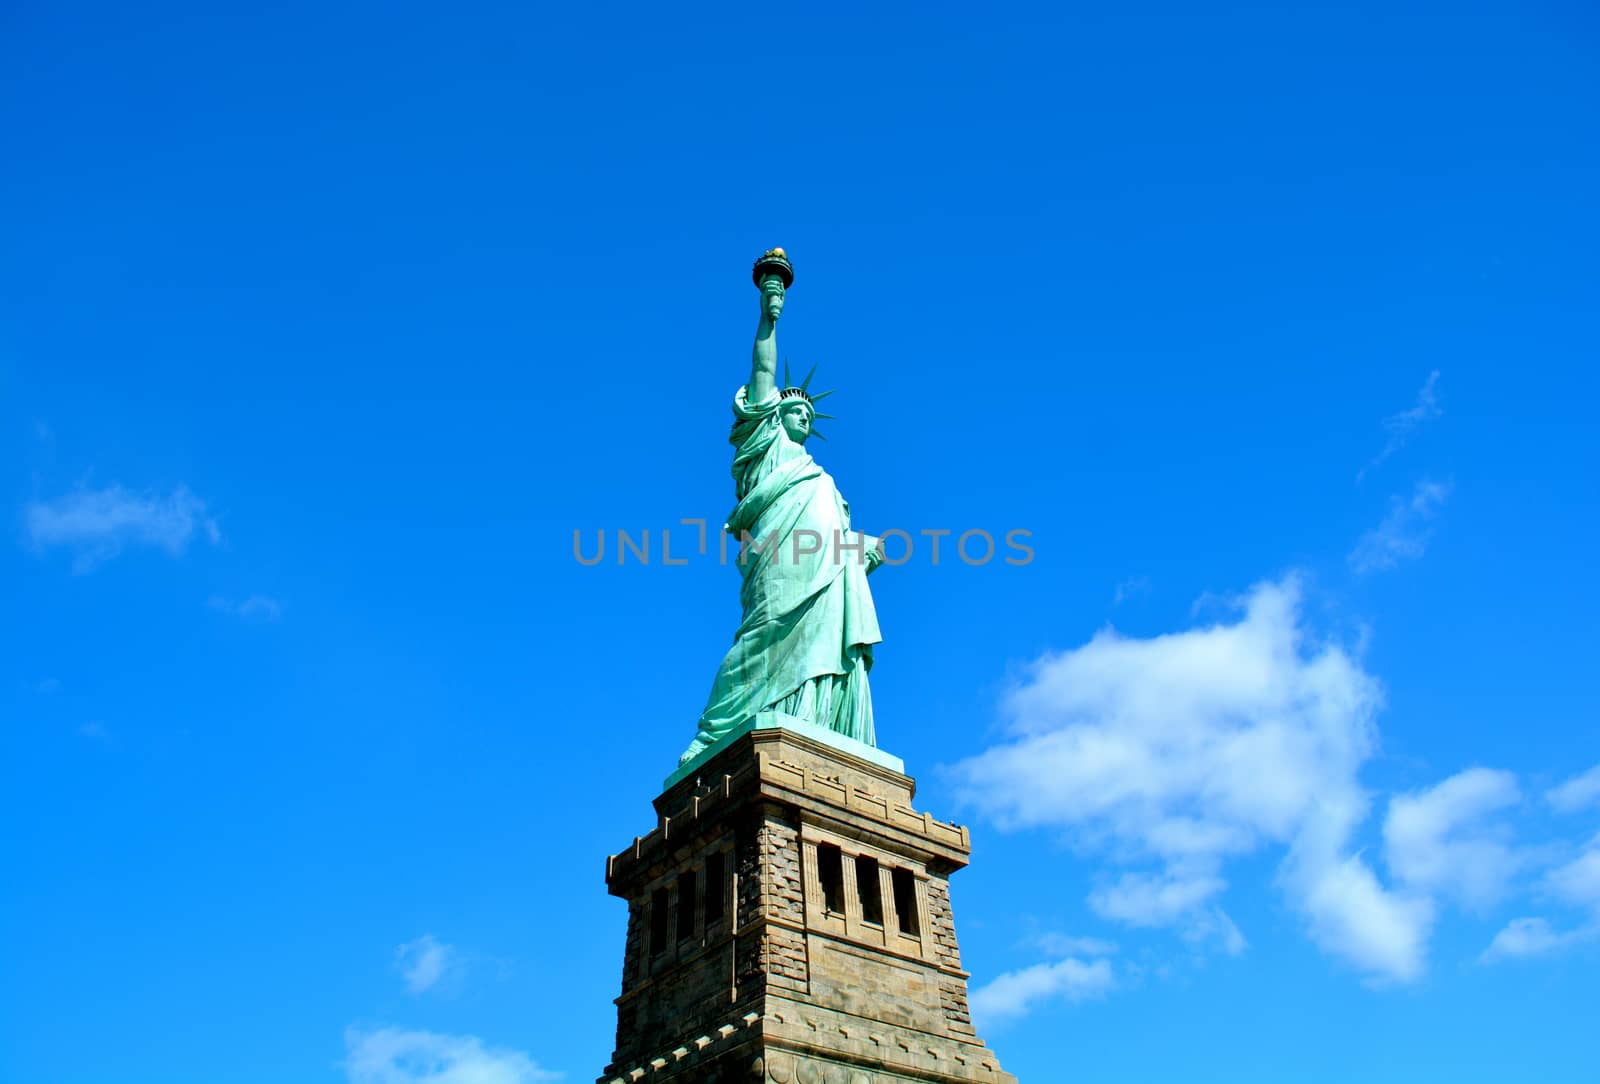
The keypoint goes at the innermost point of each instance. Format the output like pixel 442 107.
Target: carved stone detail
pixel 781 987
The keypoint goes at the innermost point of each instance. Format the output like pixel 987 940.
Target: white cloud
pixel 1523 938
pixel 96 524
pixel 1170 898
pixel 1578 882
pixel 1128 588
pixel 1060 944
pixel 1437 842
pixel 1144 899
pixel 1577 793
pixel 1180 752
pixel 1404 533
pixel 396 1056
pixel 1381 932
pixel 424 962
pixel 1400 426
pixel 1016 992
pixel 253 608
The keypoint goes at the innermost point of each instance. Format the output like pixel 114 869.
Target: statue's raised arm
pixel 773 275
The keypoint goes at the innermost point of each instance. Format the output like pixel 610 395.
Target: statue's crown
pixel 800 391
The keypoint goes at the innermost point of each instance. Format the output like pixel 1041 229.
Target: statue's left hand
pixel 874 553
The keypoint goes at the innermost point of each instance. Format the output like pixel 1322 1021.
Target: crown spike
pixel 806 383
pixel 815 415
pixel 821 395
pixel 787 380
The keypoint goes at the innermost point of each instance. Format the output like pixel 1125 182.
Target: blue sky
pixel 326 326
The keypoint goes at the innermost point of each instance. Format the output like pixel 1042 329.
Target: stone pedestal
pixel 789 920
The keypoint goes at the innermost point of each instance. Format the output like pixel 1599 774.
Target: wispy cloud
pixel 425 962
pixel 97 524
pixel 1174 897
pixel 1576 794
pixel 95 731
pixel 1060 944
pixel 397 1056
pixel 1404 533
pixel 1133 586
pixel 1176 754
pixel 253 608
pixel 1399 427
pixel 1524 938
pixel 1015 993
pixel 1578 882
pixel 1352 915
pixel 1441 841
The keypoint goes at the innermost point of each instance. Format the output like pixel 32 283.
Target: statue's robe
pixel 804 645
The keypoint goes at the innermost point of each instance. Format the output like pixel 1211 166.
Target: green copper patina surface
pixel 804 644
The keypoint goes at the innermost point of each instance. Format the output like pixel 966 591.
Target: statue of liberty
pixel 804 644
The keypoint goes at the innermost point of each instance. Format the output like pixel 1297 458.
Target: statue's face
pixel 772 296
pixel 796 419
